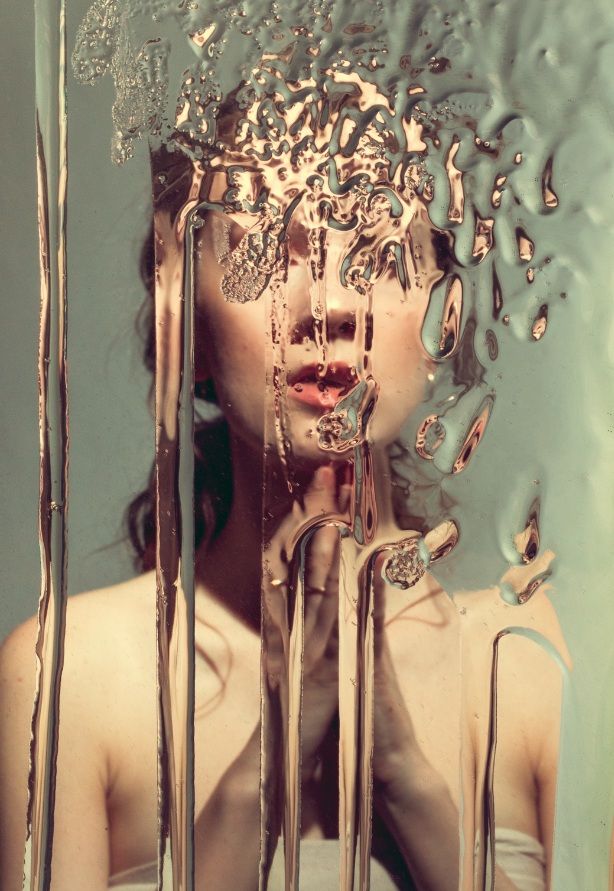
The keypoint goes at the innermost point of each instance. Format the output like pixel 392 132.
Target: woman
pixel 430 730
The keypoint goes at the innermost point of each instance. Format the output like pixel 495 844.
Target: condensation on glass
pixel 406 202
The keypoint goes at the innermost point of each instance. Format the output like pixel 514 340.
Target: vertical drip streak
pixel 175 535
pixel 469 865
pixel 366 657
pixel 274 624
pixel 349 709
pixel 317 283
pixel 52 174
pixel 356 642
pixel 279 330
pixel 268 790
pixel 478 787
pixel 356 692
pixel 292 723
pixel 186 513
pixel 488 818
pixel 282 677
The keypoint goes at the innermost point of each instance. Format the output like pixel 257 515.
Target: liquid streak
pixel 52 174
pixel 175 537
pixel 349 714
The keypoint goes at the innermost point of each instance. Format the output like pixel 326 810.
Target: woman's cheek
pixel 237 365
pixel 400 366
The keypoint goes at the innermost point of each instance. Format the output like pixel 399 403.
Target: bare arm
pixel 411 796
pixel 81 847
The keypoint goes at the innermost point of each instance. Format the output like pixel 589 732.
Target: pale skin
pixel 106 795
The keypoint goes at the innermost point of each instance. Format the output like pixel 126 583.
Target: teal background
pixel 111 434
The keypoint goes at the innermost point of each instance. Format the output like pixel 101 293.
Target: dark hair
pixel 212 465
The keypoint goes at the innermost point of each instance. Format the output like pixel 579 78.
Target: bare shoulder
pixel 515 658
pixel 98 624
pixel 106 659
pixel 489 619
pixel 518 653
pixel 110 636
pixel 527 643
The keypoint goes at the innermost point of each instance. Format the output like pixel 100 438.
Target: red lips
pixel 307 386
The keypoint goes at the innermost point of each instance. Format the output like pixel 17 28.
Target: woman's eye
pixel 303 331
pixel 347 329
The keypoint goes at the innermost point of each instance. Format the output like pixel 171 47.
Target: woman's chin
pixel 306 447
pixel 309 447
pixel 306 452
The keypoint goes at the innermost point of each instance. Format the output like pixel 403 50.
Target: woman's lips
pixel 317 395
pixel 307 387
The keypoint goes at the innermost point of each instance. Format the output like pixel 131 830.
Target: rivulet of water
pixel 175 532
pixel 52 176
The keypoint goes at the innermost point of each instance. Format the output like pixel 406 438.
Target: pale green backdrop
pixel 111 435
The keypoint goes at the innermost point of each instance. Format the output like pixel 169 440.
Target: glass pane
pixel 339 490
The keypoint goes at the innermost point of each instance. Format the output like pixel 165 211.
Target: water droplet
pixel 484 237
pixel 526 247
pixel 491 344
pixel 431 433
pixel 549 196
pixel 405 566
pixel 540 324
pixel 474 435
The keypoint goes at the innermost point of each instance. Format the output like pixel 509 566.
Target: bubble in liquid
pixel 474 436
pixel 484 237
pixel 441 540
pixel 527 542
pixel 431 433
pixel 455 178
pixel 497 294
pixel 346 426
pixel 406 564
pixel 526 247
pixel 491 344
pixel 442 344
pixel 538 329
pixel 515 597
pixel 497 192
pixel 549 195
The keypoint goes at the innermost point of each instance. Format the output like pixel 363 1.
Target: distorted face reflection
pixel 234 334
pixel 322 244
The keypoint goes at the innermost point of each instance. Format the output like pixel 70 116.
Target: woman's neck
pixel 229 568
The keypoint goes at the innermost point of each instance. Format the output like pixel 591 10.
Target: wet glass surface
pixel 376 276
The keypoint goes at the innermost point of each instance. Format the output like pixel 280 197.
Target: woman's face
pixel 233 336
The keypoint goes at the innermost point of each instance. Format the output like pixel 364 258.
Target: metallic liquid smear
pixel 426 163
pixel 52 173
pixel 344 430
pixel 175 533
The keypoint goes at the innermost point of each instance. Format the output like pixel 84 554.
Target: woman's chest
pixel 446 699
pixel 227 694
